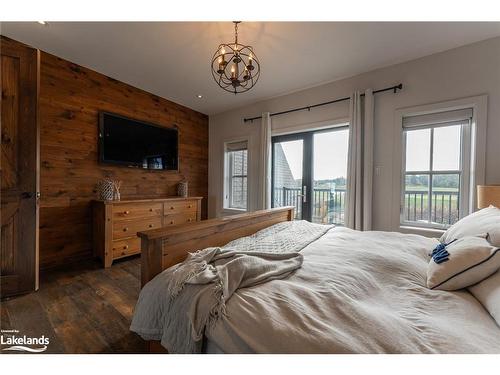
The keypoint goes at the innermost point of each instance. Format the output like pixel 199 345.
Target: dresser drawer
pixel 177 207
pixel 187 217
pixel 136 210
pixel 126 247
pixel 129 228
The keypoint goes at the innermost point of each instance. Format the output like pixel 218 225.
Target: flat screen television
pixel 136 143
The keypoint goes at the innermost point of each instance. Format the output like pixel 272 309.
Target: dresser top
pixel 165 199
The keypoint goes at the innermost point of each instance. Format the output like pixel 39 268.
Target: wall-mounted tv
pixel 136 143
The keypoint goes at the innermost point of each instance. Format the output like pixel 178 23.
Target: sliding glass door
pixel 309 172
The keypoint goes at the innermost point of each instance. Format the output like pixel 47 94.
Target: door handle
pixel 304 193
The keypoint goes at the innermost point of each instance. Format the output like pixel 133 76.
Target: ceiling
pixel 172 59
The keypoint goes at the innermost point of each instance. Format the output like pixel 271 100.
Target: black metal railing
pixel 328 205
pixel 444 207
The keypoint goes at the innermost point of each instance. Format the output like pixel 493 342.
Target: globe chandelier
pixel 235 66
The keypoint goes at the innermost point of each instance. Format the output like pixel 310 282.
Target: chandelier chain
pixel 236 32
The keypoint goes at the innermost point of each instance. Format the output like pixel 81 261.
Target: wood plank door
pixel 19 164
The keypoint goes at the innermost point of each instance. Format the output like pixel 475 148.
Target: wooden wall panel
pixel 70 98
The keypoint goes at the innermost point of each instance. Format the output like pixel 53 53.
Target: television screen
pixel 137 144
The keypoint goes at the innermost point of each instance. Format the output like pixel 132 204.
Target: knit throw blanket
pixel 199 288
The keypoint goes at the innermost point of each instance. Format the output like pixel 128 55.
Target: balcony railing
pixel 445 206
pixel 329 205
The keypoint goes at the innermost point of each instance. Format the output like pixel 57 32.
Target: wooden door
pixel 19 166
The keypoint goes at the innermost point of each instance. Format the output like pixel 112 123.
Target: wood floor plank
pixel 82 309
pixel 29 318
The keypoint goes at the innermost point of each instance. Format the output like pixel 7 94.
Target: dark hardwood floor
pixel 83 309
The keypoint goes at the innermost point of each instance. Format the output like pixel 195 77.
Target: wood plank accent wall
pixel 70 98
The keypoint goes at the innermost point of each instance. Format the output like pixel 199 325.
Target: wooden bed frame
pixel 164 247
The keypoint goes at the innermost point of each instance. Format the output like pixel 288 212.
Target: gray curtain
pixel 360 162
pixel 265 163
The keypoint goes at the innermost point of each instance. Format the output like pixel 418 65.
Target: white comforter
pixel 357 292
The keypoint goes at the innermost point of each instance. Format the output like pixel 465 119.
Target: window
pixel 436 168
pixel 236 160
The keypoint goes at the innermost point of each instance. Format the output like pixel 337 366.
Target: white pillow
pixel 470 260
pixel 488 293
pixel 486 220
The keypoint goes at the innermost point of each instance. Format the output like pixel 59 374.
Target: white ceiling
pixel 172 59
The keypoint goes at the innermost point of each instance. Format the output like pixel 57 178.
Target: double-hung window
pixel 235 190
pixel 436 168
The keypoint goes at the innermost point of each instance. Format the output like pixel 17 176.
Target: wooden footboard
pixel 162 248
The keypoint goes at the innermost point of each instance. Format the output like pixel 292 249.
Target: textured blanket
pixel 199 287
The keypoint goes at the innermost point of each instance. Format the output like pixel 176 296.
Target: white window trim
pixel 225 182
pixel 479 105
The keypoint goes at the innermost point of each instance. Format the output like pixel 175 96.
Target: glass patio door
pixel 309 172
pixel 290 183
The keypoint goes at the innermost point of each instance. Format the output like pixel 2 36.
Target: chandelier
pixel 235 67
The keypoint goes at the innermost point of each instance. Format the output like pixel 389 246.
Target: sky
pixel 446 149
pixel 330 155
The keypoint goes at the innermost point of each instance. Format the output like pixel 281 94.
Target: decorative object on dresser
pixel 116 223
pixel 108 189
pixel 182 189
pixel 116 190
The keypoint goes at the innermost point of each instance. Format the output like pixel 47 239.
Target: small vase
pixel 182 189
pixel 105 190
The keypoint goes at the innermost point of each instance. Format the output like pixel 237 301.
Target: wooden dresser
pixel 116 223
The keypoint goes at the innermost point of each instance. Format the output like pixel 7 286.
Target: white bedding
pixel 357 292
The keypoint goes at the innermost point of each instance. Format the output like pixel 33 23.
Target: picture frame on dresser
pixel 116 223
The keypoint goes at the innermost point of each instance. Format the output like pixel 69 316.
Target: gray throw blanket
pixel 199 287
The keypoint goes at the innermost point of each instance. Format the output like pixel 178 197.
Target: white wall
pixel 462 72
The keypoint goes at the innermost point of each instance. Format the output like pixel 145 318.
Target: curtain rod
pixel 392 88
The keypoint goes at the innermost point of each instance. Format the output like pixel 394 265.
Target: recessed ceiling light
pixel 42 22
pixel 199 96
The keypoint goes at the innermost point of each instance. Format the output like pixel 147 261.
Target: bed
pixel 354 292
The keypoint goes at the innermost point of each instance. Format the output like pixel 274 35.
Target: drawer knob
pixel 171 222
pixel 150 210
pixel 171 207
pixel 125 247
pixel 151 225
pixel 190 219
pixel 123 252
pixel 125 229
pixel 126 212
pixel 190 206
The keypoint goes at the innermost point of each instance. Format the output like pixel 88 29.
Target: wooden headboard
pixel 162 248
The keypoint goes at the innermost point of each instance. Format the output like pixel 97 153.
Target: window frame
pixel 228 178
pixel 479 105
pixel 463 171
